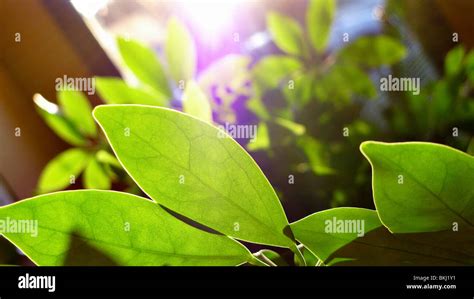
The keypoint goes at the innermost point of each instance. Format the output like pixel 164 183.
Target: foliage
pixel 72 121
pixel 227 187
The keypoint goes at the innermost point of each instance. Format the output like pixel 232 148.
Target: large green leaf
pixel 180 51
pixel 196 103
pixel 57 173
pixel 377 246
pixel 144 64
pixel 130 230
pixel 197 170
pixel 57 122
pixel 373 51
pixel 319 17
pixel 421 187
pixel 77 109
pixel 287 33
pixel 116 91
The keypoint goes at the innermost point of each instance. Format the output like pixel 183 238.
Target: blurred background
pixel 307 74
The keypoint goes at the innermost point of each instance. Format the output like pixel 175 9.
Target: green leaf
pixel 197 170
pixel 59 124
pixel 319 17
pixel 107 158
pixel 301 92
pixel 295 128
pixel 453 62
pixel 144 64
pixel 421 187
pixel 287 33
pixel 180 51
pixel 316 154
pixel 57 173
pixel 77 109
pixel 343 82
pixel 333 236
pixel 95 176
pixel 129 229
pixel 116 91
pixel 196 103
pixel 262 141
pixel 256 105
pixel 319 232
pixel 271 70
pixel 373 51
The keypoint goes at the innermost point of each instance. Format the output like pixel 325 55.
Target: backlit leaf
pixel 144 64
pixel 116 91
pixel 319 17
pixel 287 33
pixel 128 229
pixel 421 187
pixel 77 109
pixel 196 103
pixel 195 169
pixel 180 51
pixel 57 173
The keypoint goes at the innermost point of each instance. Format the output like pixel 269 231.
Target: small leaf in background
pixel 116 91
pixel 470 66
pixel 295 128
pixel 342 83
pixel 316 154
pixel 58 123
pixel 196 170
pixel 128 229
pixel 373 51
pixel 319 17
pixel 286 33
pixel 77 109
pixel 301 92
pixel 57 173
pixel 196 103
pixel 180 51
pixel 271 70
pixel 144 64
pixel 262 140
pixel 256 105
pixel 454 61
pixel 421 187
pixel 95 176
pixel 107 158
